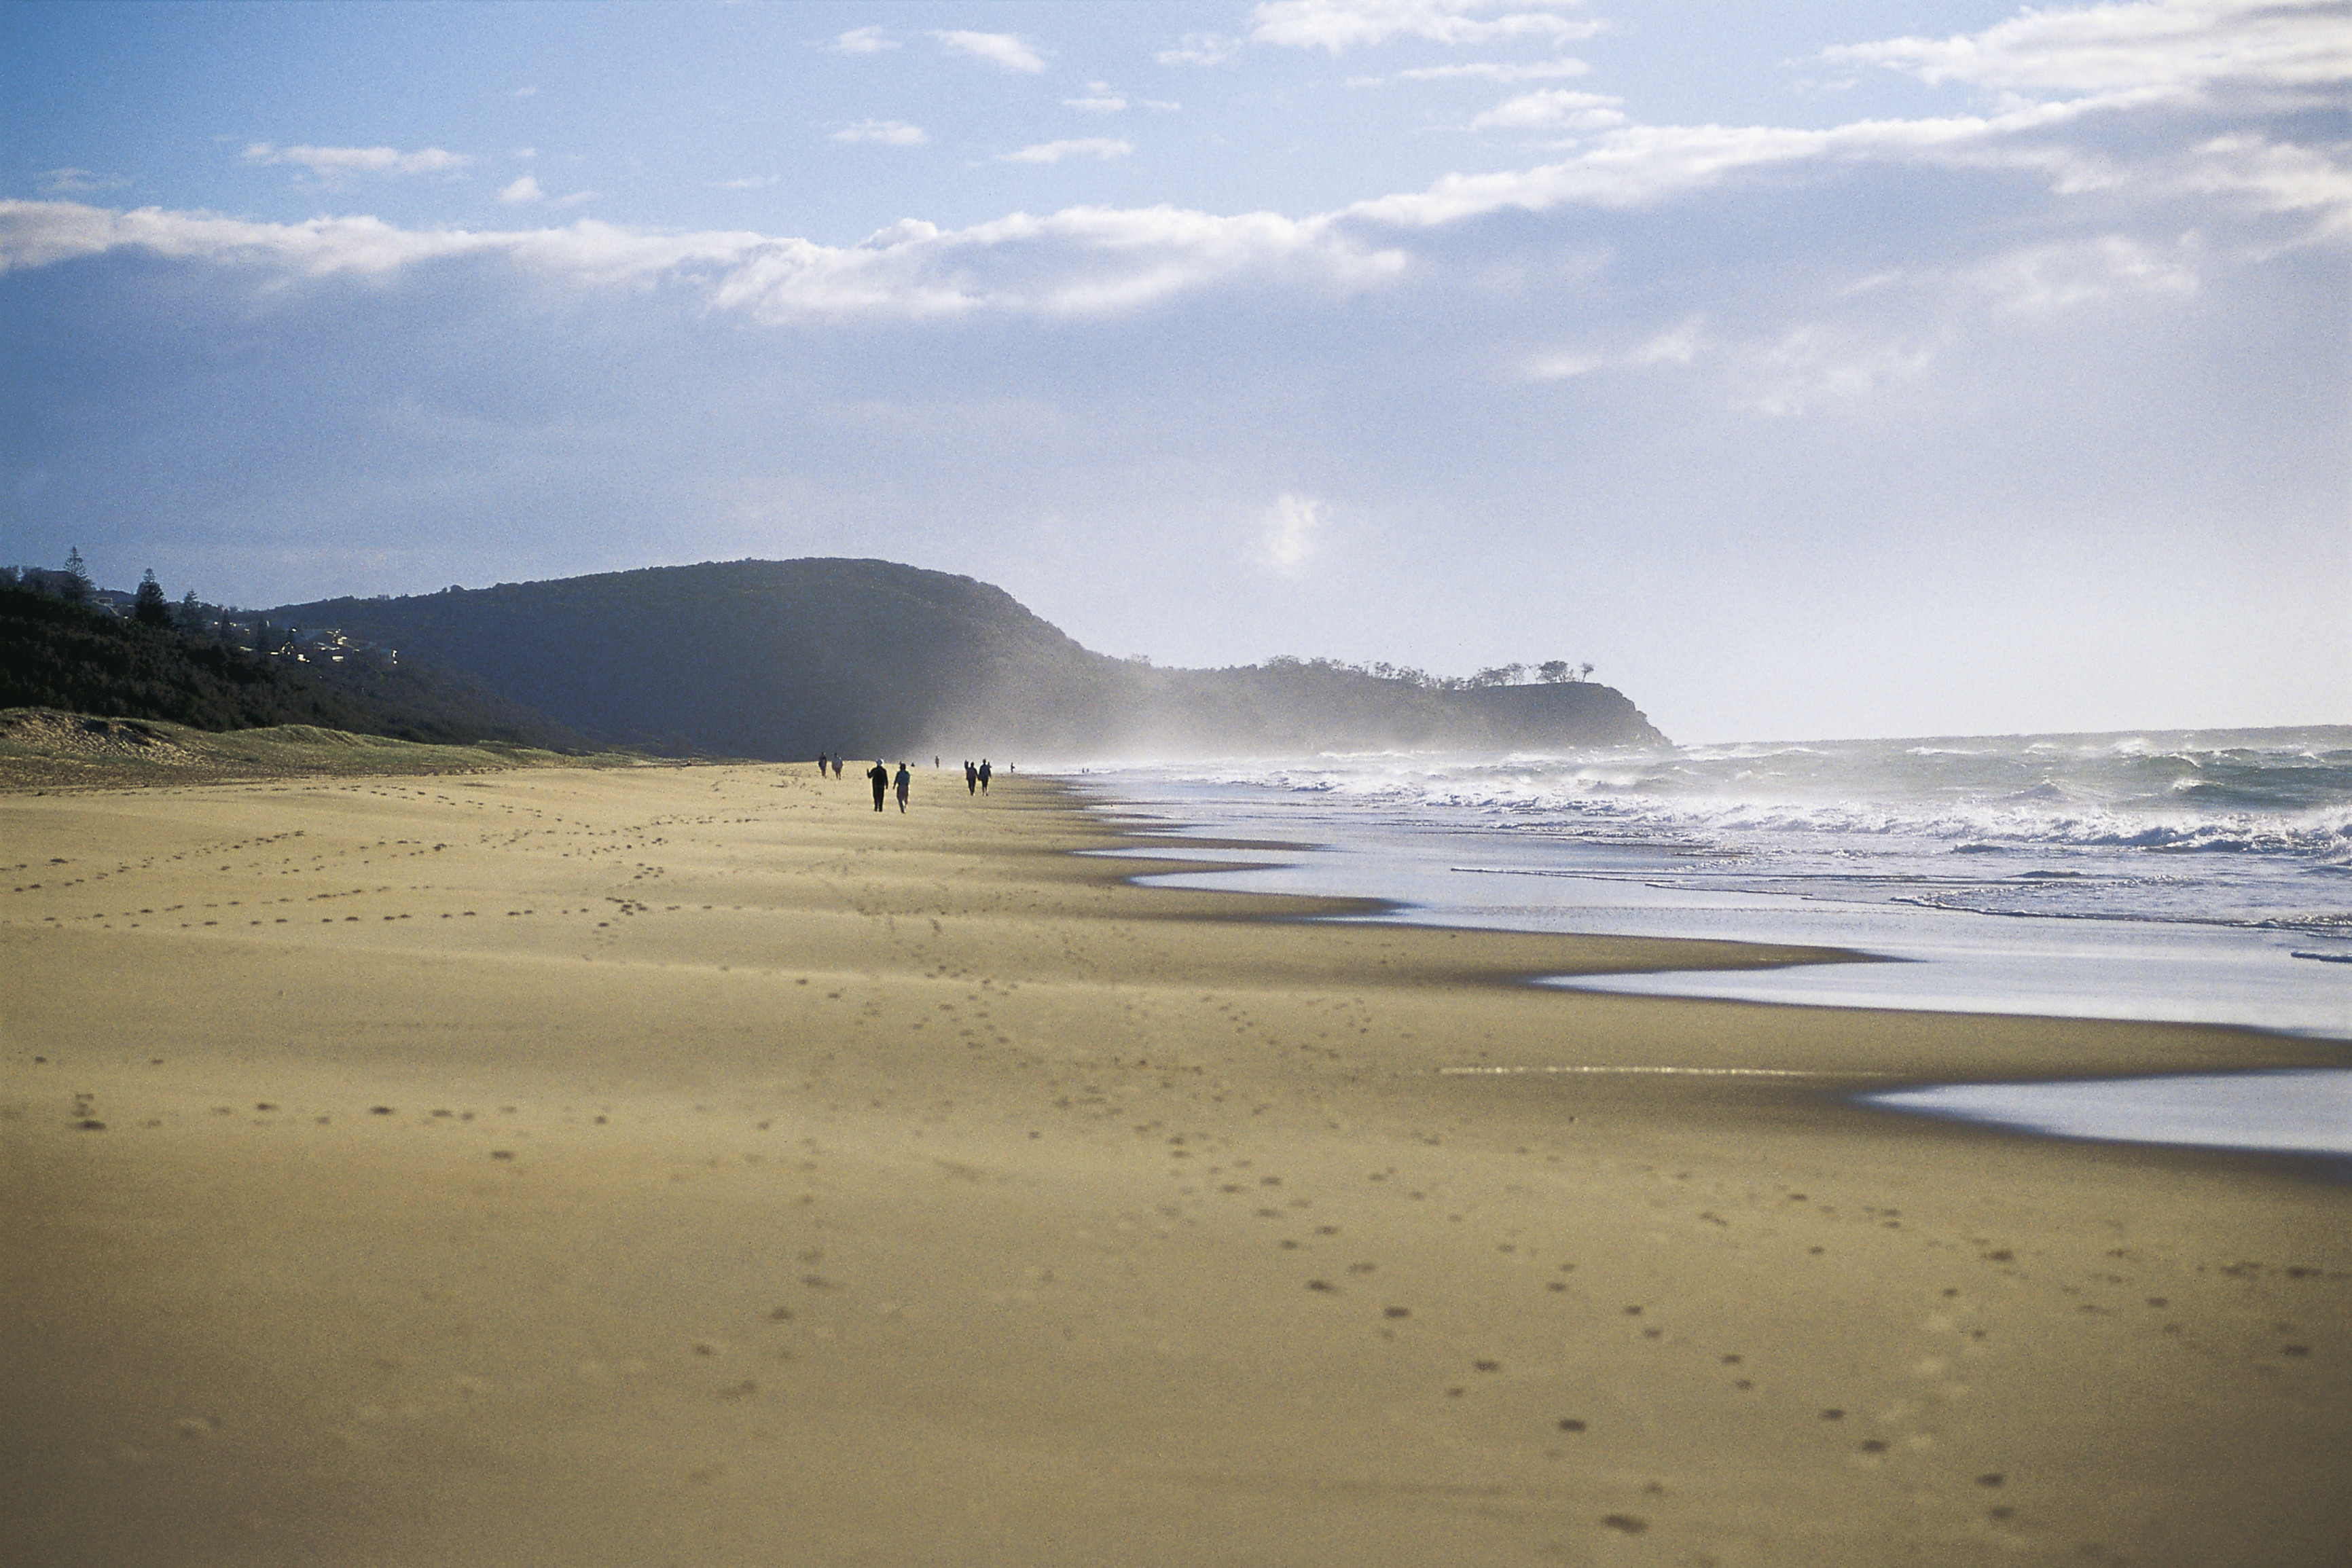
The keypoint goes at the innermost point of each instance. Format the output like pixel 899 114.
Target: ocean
pixel 2199 876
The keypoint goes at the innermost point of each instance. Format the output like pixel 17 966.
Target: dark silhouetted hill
pixel 784 659
pixel 87 659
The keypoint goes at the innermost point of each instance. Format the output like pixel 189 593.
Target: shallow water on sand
pixel 2298 1111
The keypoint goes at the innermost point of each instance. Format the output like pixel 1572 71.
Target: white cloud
pixel 998 49
pixel 1562 367
pixel 1339 25
pixel 37 234
pixel 1102 147
pixel 526 92
pixel 2176 47
pixel 2042 278
pixel 526 154
pixel 888 132
pixel 525 191
pixel 1290 534
pixel 2141 156
pixel 1785 376
pixel 1553 108
pixel 1679 346
pixel 747 182
pixel 1640 164
pixel 1082 261
pixel 78 182
pixel 1484 71
pixel 1813 364
pixel 1200 49
pixel 1101 98
pixel 862 41
pixel 335 162
pixel 2281 178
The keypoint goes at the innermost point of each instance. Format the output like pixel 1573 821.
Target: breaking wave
pixel 2227 827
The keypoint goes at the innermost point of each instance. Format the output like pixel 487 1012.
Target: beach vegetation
pixel 83 658
pixel 149 607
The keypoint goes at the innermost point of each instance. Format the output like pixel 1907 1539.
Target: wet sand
pixel 690 1166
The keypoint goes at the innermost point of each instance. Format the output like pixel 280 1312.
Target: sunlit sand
pixel 688 1164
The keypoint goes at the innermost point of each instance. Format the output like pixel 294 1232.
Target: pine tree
pixel 75 587
pixel 191 614
pixel 148 606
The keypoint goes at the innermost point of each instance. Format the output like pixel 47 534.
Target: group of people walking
pixel 975 777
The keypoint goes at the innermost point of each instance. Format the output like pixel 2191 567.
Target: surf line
pixel 1660 1071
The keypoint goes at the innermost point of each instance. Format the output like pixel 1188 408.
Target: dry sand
pixel 687 1166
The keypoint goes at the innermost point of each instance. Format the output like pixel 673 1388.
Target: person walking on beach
pixel 983 775
pixel 836 765
pixel 971 777
pixel 881 777
pixel 820 764
pixel 901 782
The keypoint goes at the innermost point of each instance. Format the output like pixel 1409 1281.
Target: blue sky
pixel 1812 370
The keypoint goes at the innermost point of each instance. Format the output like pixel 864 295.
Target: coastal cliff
pixel 784 659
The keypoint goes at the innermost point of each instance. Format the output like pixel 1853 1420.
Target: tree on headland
pixel 74 588
pixel 191 614
pixel 148 606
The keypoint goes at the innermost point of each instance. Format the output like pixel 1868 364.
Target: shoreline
pixel 911 1189
pixel 1473 874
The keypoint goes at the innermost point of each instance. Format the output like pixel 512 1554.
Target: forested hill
pixel 85 659
pixel 784 659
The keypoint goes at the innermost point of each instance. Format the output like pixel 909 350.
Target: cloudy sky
pixel 1826 368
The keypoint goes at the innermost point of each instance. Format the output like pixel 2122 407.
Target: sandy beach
pixel 688 1166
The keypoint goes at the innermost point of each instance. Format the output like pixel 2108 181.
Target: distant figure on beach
pixel 881 777
pixel 901 782
pixel 836 765
pixel 820 764
pixel 971 777
pixel 983 775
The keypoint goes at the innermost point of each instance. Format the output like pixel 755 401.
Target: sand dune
pixel 690 1166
